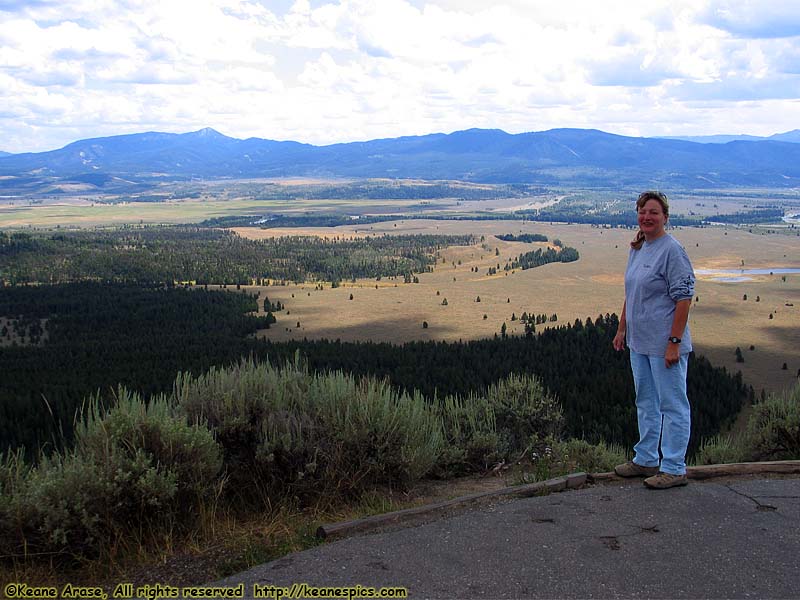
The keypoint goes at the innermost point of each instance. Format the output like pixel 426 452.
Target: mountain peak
pixel 787 136
pixel 206 132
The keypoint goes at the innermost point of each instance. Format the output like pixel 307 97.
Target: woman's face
pixel 652 219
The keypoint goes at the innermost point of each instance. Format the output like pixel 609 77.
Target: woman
pixel 659 285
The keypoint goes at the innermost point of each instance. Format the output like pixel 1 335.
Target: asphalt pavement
pixel 732 538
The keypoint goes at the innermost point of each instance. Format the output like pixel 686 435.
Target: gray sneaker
pixel 631 469
pixel 662 481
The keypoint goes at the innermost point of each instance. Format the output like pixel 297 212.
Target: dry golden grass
pixel 720 319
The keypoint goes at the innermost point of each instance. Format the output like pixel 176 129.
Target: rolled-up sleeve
pixel 680 276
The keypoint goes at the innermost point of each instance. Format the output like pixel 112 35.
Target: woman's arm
pixel 679 319
pixel 619 339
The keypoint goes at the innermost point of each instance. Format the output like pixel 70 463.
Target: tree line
pixel 158 254
pixel 746 217
pixel 539 257
pixel 522 237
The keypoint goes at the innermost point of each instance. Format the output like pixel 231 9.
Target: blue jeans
pixel 663 410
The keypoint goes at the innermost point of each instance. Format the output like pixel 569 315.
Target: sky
pixel 329 71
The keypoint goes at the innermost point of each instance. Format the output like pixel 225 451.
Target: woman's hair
pixel 644 197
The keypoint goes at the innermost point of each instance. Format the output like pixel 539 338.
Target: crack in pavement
pixel 759 505
pixel 784 497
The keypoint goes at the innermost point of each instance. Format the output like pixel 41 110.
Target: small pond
pixel 737 275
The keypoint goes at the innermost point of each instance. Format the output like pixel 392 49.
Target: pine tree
pixel 739 357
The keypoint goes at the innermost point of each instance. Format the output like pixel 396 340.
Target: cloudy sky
pixel 325 71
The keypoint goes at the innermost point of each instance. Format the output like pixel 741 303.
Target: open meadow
pixel 393 311
pixel 81 212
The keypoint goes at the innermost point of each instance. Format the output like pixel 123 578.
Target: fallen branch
pixel 518 491
pixel 785 467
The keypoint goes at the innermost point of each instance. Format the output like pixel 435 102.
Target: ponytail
pixel 638 241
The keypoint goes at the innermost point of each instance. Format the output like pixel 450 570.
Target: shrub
pixel 136 471
pixel 773 433
pixel 472 443
pixel 721 449
pixel 514 416
pixel 526 415
pixel 13 474
pixel 157 431
pixel 374 433
pixel 579 455
pixel 773 430
pixel 287 430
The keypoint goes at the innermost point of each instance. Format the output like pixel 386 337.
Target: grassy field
pixel 78 212
pixel 720 320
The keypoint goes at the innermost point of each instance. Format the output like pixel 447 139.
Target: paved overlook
pixel 723 538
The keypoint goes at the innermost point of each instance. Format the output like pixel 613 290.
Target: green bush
pixel 149 440
pixel 571 456
pixel 13 475
pixel 773 433
pixel 136 471
pixel 259 415
pixel 773 430
pixel 287 430
pixel 527 417
pixel 377 435
pixel 472 443
pixel 579 455
pixel 516 415
pixel 722 449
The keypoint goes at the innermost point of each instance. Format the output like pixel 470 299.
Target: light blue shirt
pixel 659 274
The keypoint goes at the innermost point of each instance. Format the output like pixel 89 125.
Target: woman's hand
pixel 671 356
pixel 619 341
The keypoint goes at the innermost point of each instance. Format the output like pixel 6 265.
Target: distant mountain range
pixel 583 157
pixel 792 136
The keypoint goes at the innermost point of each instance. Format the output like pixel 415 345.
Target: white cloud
pixel 341 70
pixel 755 18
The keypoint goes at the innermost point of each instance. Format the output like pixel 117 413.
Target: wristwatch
pixel 675 340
